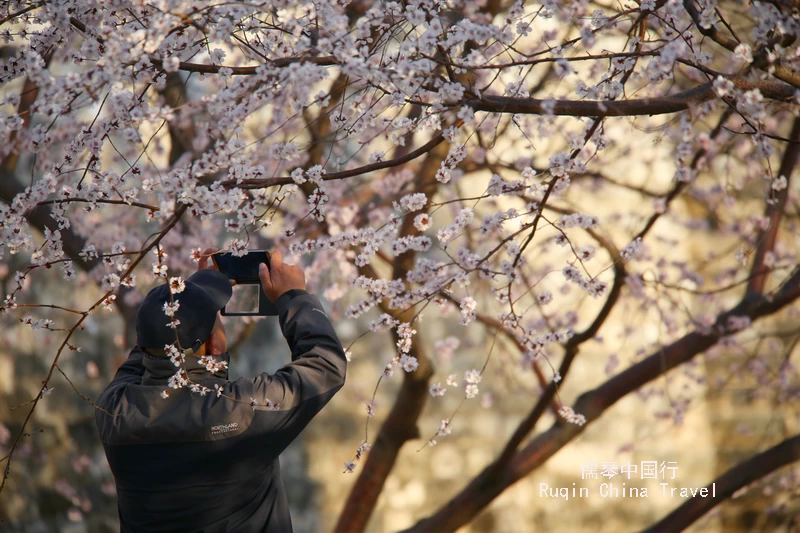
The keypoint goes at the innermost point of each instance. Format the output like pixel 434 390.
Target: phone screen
pixel 245 299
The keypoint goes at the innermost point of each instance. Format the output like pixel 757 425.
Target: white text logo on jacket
pixel 224 428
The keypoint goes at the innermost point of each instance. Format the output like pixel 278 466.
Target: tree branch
pixel 774 212
pixel 490 483
pixel 380 165
pixel 236 71
pixel 781 72
pixel 728 483
pixel 659 105
pixel 509 334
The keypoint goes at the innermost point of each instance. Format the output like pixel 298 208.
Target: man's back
pixel 209 461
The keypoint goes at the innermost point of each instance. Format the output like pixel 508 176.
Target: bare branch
pixel 728 483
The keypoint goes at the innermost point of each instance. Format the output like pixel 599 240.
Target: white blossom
pixel 409 363
pixel 413 202
pixel 176 285
pixel 568 414
pixel 779 183
pixel 437 390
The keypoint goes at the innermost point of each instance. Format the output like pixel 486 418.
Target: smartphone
pixel 248 297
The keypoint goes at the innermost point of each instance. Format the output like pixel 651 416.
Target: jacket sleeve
pixel 287 400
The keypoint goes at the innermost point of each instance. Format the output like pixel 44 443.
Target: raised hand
pixel 280 277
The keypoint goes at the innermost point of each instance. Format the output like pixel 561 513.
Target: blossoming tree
pixel 526 165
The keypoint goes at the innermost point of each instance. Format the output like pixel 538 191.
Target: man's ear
pixel 208 346
pixel 217 340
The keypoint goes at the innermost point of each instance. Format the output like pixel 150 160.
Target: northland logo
pixel 224 428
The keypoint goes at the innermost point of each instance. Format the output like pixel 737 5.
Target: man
pixel 208 460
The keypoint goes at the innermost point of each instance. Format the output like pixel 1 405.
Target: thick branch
pixel 180 134
pixel 774 212
pixel 728 483
pixel 659 105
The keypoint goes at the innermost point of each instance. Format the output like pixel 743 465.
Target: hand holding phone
pixel 278 277
pixel 249 298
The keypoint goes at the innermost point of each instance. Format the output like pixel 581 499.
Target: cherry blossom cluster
pixel 593 286
pixel 568 414
pixel 464 217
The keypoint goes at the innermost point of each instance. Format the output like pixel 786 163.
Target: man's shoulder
pixel 141 414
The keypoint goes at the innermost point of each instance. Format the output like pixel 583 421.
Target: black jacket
pixel 193 462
